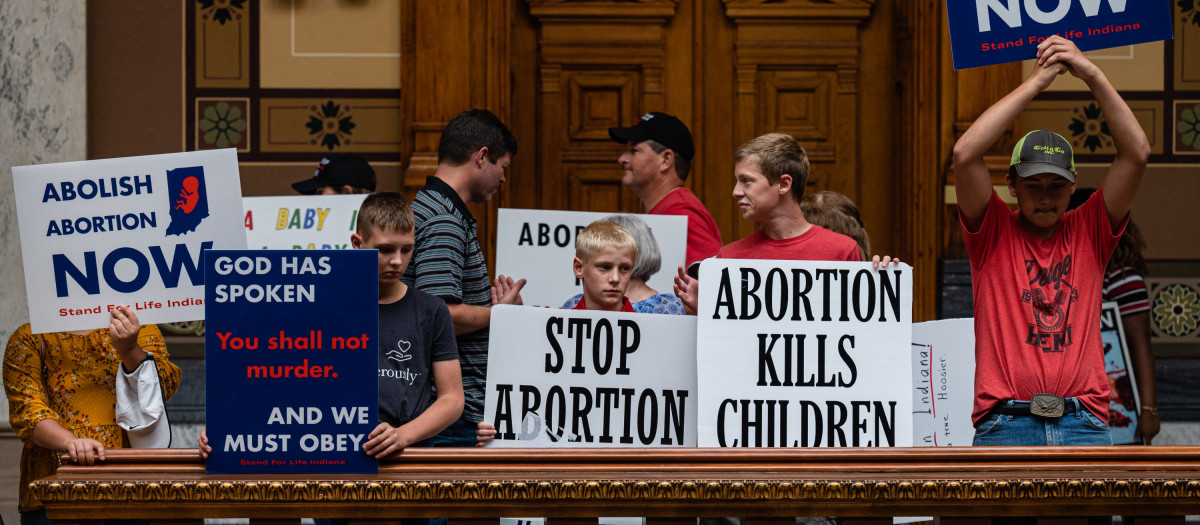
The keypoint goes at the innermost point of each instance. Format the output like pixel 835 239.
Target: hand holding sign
pixel 123 332
pixel 1058 50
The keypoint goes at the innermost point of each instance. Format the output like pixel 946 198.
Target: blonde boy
pixel 604 255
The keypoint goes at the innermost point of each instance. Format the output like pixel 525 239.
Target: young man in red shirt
pixel 1036 272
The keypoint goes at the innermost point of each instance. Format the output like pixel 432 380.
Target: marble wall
pixel 43 108
pixel 43 111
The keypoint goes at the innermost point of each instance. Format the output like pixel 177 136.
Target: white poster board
pixel 539 245
pixel 585 378
pixel 804 353
pixel 100 233
pixel 943 367
pixel 301 222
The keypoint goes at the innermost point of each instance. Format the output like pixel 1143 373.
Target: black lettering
pixel 554 362
pixel 631 338
pixel 801 295
pixel 725 297
pixel 503 417
pixel 844 353
pixel 751 280
pixel 581 402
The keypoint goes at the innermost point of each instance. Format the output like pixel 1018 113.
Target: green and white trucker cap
pixel 1044 151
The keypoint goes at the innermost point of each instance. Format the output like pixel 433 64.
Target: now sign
pixel 986 32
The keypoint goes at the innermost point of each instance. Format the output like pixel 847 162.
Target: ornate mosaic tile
pixel 223 123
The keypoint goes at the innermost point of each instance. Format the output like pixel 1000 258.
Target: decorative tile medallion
pixel 223 123
pixel 1174 310
pixel 1187 127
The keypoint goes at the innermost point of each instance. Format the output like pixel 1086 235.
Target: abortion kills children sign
pixel 584 378
pixel 804 354
pixel 290 360
pixel 100 233
pixel 986 32
pixel 306 222
pixel 541 244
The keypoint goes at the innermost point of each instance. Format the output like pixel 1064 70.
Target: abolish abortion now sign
pixel 129 231
pixel 804 354
pixel 986 32
pixel 291 355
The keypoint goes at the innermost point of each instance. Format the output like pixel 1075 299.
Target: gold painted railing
pixel 1157 484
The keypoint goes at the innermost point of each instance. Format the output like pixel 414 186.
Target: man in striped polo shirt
pixel 473 153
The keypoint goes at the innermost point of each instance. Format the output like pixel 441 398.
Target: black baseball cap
pixel 661 128
pixel 339 169
pixel 1044 151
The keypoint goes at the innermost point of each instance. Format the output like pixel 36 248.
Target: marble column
pixel 43 117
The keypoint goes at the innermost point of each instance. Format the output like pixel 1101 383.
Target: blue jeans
pixel 460 433
pixel 1079 427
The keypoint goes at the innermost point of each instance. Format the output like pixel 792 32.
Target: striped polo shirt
pixel 448 263
pixel 1127 287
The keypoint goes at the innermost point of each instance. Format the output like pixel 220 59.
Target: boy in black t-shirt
pixel 417 352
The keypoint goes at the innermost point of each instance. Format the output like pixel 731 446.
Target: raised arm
pixel 1133 149
pixel 972 182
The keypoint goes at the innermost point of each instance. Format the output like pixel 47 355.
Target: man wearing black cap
pixel 1037 272
pixel 339 173
pixel 656 162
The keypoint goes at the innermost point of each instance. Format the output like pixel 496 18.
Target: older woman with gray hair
pixel 645 299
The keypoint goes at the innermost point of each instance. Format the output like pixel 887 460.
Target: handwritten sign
pixel 306 222
pixel 986 32
pixel 291 357
pixel 583 378
pixel 540 245
pixel 101 233
pixel 804 354
pixel 943 365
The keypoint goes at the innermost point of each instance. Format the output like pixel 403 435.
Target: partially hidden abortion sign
pixel 986 32
pixel 290 360
pixel 100 233
pixel 539 245
pixel 584 378
pixel 804 354
pixel 304 222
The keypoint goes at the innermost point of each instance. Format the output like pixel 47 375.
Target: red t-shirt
pixel 704 239
pixel 626 306
pixel 1037 306
pixel 816 244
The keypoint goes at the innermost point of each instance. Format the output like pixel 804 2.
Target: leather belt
pixel 1042 405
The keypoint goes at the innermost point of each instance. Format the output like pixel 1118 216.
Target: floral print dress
pixel 71 379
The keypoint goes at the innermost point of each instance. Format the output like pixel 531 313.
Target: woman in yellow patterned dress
pixel 62 393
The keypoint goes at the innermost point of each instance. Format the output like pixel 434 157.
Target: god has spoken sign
pixel 804 354
pixel 584 378
pixel 291 355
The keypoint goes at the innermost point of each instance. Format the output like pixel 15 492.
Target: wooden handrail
pixel 473 483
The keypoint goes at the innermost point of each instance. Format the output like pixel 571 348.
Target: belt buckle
pixel 1047 405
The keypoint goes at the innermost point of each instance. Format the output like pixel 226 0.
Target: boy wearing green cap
pixel 1036 272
